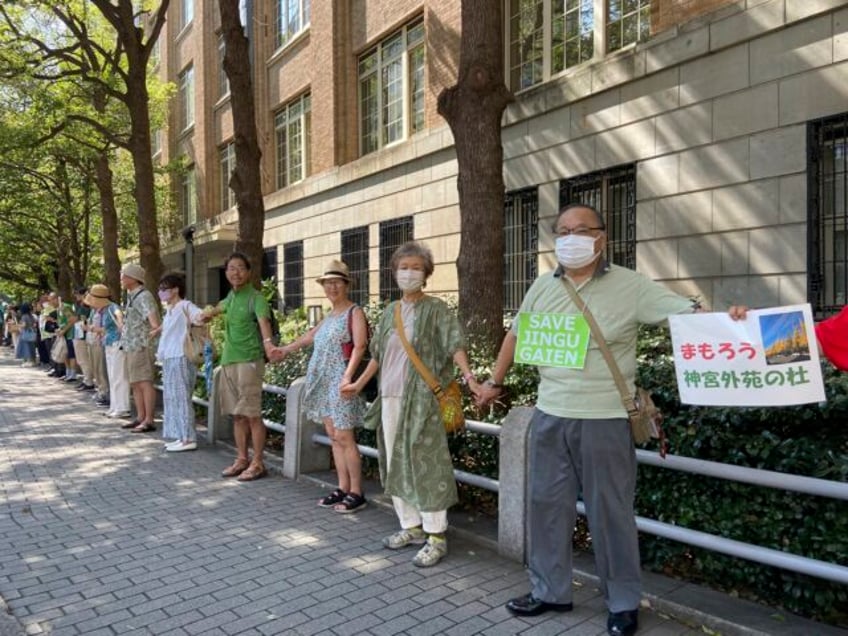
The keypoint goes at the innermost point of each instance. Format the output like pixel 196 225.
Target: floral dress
pixel 324 376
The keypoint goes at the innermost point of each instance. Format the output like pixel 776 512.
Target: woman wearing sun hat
pixel 330 368
pixel 97 299
pixel 109 331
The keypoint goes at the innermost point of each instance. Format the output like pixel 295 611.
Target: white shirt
pixel 175 327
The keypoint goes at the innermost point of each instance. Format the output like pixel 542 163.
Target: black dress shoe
pixel 529 605
pixel 623 623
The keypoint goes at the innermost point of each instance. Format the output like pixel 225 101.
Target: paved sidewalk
pixel 102 532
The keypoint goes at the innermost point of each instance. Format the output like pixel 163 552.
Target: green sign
pixel 552 340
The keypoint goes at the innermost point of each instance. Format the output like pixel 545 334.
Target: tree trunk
pixel 145 195
pixel 473 109
pixel 111 262
pixel 246 180
pixel 131 42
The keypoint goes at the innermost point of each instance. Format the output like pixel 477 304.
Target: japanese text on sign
pixel 768 359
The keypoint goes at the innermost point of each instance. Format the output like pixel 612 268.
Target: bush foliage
pixel 810 440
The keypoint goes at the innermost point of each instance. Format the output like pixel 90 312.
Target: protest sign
pixel 768 359
pixel 552 340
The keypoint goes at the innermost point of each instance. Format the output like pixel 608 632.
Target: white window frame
pixel 294 118
pixel 637 13
pixel 223 79
pixel 600 13
pixel 156 142
pixel 186 13
pixel 227 163
pixel 408 123
pixel 188 195
pixel 282 34
pixel 186 83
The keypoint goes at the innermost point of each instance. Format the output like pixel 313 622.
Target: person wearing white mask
pixel 580 439
pixel 178 371
pixel 415 463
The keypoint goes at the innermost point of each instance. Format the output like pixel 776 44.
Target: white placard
pixel 769 359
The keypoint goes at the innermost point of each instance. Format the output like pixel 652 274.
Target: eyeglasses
pixel 236 269
pixel 577 231
pixel 333 282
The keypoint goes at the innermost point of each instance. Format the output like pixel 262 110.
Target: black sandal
pixel 351 503
pixel 143 428
pixel 337 496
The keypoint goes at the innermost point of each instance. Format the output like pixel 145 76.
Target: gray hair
pixel 599 219
pixel 414 249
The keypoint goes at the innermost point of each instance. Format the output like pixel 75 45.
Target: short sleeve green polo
pixel 620 300
pixel 241 327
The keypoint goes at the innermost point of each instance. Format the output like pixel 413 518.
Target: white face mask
pixel 409 280
pixel 574 252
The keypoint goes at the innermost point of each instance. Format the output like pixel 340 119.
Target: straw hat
pixel 133 271
pixel 97 296
pixel 334 269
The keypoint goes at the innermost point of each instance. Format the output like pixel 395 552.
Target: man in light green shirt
pixel 580 440
pixel 246 316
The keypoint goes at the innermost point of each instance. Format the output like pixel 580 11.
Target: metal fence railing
pixel 739 474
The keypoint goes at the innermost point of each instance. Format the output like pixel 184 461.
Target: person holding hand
pixel 339 343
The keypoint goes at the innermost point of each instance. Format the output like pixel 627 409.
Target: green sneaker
pixel 433 551
pixel 405 537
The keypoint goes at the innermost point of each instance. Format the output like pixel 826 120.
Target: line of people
pixel 580 440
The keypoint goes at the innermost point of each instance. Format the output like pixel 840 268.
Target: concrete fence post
pixel 300 453
pixel 217 425
pixel 512 479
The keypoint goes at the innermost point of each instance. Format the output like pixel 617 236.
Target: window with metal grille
pixel 393 234
pixel 613 193
pixel 269 269
pixel 521 234
pixel 355 255
pixel 827 214
pixel 292 275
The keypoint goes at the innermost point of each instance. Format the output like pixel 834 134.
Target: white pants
pixel 119 382
pixel 408 515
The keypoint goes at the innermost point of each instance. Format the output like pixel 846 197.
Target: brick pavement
pixel 104 533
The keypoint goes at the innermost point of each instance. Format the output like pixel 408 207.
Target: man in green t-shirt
pixel 243 365
pixel 580 439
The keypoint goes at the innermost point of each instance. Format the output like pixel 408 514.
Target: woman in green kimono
pixel 415 463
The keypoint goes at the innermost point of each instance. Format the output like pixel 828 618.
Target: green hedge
pixel 809 440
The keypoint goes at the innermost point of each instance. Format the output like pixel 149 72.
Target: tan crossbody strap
pixel 423 371
pixel 597 334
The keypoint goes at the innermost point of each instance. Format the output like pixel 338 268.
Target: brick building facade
pixel 710 132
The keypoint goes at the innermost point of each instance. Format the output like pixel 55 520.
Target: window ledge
pixel 184 30
pixel 293 41
pixel 187 131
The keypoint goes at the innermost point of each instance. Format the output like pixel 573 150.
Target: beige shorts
pixel 241 388
pixel 139 366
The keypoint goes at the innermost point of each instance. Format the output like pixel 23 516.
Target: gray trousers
pixel 596 458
